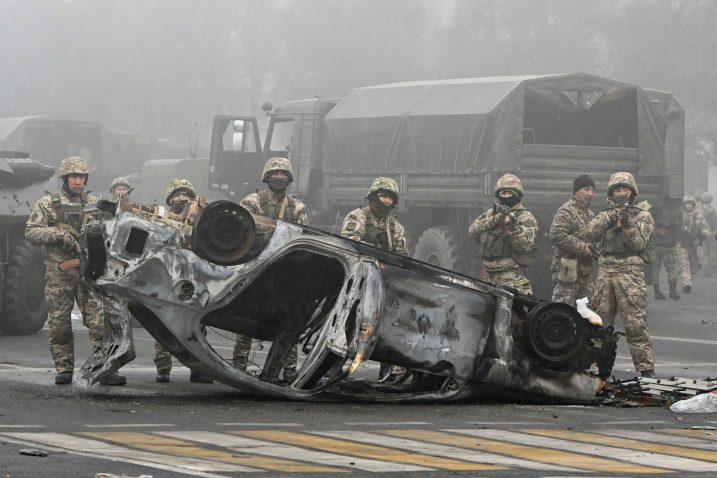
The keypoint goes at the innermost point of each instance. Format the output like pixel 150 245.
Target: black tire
pixel 438 246
pixel 24 309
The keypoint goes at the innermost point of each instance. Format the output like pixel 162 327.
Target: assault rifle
pixel 506 213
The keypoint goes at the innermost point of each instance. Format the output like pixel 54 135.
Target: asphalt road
pixel 186 429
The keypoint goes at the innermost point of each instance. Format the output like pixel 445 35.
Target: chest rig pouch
pixel 493 245
pixel 613 243
pixel 274 210
pixel 72 216
pixel 375 236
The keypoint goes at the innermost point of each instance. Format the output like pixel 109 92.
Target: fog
pixel 165 67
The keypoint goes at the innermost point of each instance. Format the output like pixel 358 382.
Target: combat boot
pixel 113 379
pixel 648 374
pixel 658 293
pixel 290 374
pixel 673 291
pixel 162 376
pixel 63 378
pixel 687 288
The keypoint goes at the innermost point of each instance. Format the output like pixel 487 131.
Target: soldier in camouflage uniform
pixel 663 244
pixel 180 194
pixel 374 225
pixel 623 230
pixel 573 254
pixel 695 231
pixel 506 236
pixel 710 215
pixel 273 202
pixel 120 187
pixel 55 225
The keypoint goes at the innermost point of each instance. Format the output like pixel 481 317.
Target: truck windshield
pixel 282 134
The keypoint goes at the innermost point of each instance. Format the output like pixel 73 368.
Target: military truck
pixel 447 142
pixel 22 272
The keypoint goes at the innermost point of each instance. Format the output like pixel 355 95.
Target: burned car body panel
pixel 344 303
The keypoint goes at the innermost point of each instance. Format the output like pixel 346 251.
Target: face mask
pixel 510 201
pixel 379 208
pixel 278 185
pixel 178 207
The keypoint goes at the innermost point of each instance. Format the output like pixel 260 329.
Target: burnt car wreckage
pixel 343 302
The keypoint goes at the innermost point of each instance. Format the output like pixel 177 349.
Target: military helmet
pixel 384 184
pixel 706 197
pixel 277 164
pixel 510 182
pixel 121 181
pixel 622 179
pixel 72 165
pixel 179 185
pixel 689 198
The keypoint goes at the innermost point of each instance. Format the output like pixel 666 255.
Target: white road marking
pixel 131 425
pixel 623 454
pixel 22 426
pixel 260 424
pixel 388 423
pixel 632 422
pixel 267 448
pixel 675 440
pixel 98 449
pixel 446 451
pixel 506 423
pixel 681 339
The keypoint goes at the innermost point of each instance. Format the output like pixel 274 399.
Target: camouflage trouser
pixel 62 290
pixel 162 358
pixel 625 292
pixel 705 253
pixel 683 258
pixel 569 293
pixel 668 257
pixel 512 277
pixel 242 347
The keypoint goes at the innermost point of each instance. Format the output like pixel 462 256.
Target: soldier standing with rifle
pixel 623 230
pixel 273 202
pixel 664 251
pixel 573 256
pixel 506 236
pixel 55 224
pixel 710 215
pixel 695 230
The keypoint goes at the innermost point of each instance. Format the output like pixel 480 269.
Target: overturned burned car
pixel 343 302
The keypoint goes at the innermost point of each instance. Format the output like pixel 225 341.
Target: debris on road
pixel 703 403
pixel 655 392
pixel 32 452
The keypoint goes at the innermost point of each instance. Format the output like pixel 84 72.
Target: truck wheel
pixel 24 310
pixel 438 246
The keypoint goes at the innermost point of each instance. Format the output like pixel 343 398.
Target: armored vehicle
pixel 447 142
pixel 22 272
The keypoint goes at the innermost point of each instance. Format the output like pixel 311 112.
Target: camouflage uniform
pixel 275 206
pixel 710 215
pixel 663 247
pixel 620 285
pixel 55 224
pixel 696 230
pixel 369 225
pixel 572 252
pixel 507 248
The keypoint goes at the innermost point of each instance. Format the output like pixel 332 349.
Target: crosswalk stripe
pixel 533 457
pixel 631 456
pixel 182 448
pixel 96 448
pixel 363 450
pixel 628 443
pixel 660 438
pixel 260 447
pixel 402 439
pixel 702 434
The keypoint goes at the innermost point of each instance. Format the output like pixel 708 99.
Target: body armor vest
pixel 375 236
pixel 273 210
pixel 492 246
pixel 665 235
pixel 70 215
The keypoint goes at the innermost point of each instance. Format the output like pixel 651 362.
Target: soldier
pixel 55 225
pixel 573 255
pixel 273 202
pixel 180 193
pixel 120 187
pixel 663 244
pixel 506 236
pixel 695 230
pixel 623 230
pixel 710 215
pixel 375 225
